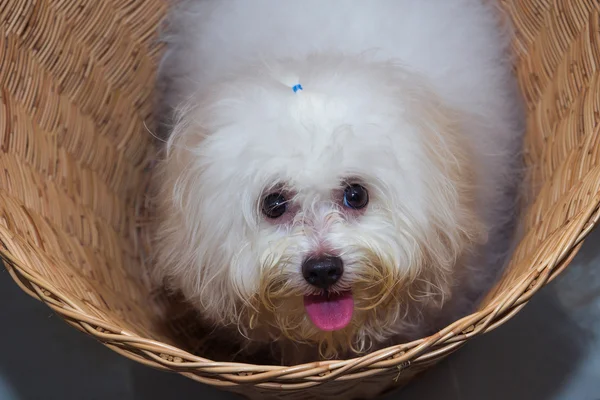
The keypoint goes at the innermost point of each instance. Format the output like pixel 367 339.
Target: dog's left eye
pixel 356 196
pixel 274 205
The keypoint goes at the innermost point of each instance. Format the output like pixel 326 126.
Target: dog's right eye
pixel 274 205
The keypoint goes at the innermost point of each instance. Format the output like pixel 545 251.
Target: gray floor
pixel 551 350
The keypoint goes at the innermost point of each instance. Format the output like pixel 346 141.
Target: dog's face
pixel 334 215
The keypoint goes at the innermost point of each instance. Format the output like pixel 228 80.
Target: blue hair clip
pixel 297 87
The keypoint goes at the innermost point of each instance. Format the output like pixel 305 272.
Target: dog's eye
pixel 274 205
pixel 356 196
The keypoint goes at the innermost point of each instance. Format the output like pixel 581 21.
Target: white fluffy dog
pixel 339 174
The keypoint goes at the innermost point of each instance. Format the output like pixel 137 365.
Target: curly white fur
pixel 413 99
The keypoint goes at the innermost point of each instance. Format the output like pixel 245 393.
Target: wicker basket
pixel 75 82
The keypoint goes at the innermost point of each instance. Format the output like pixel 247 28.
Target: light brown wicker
pixel 75 82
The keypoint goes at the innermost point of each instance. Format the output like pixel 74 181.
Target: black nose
pixel 323 272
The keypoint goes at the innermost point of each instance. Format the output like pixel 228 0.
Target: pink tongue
pixel 330 313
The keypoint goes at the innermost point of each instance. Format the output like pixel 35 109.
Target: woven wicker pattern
pixel 75 85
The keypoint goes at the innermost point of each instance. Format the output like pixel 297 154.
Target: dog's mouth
pixel 330 311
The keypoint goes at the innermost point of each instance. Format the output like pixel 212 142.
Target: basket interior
pixel 75 98
pixel 76 80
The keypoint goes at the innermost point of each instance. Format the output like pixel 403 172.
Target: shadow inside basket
pixel 185 327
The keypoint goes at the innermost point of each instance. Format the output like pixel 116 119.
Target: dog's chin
pixel 325 321
pixel 353 319
pixel 338 324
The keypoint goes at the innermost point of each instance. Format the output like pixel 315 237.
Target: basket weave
pixel 75 85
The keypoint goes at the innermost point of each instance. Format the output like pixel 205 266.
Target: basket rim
pixel 427 350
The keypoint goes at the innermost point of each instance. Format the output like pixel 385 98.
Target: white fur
pixel 414 99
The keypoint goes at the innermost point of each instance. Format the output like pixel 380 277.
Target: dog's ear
pixel 453 211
